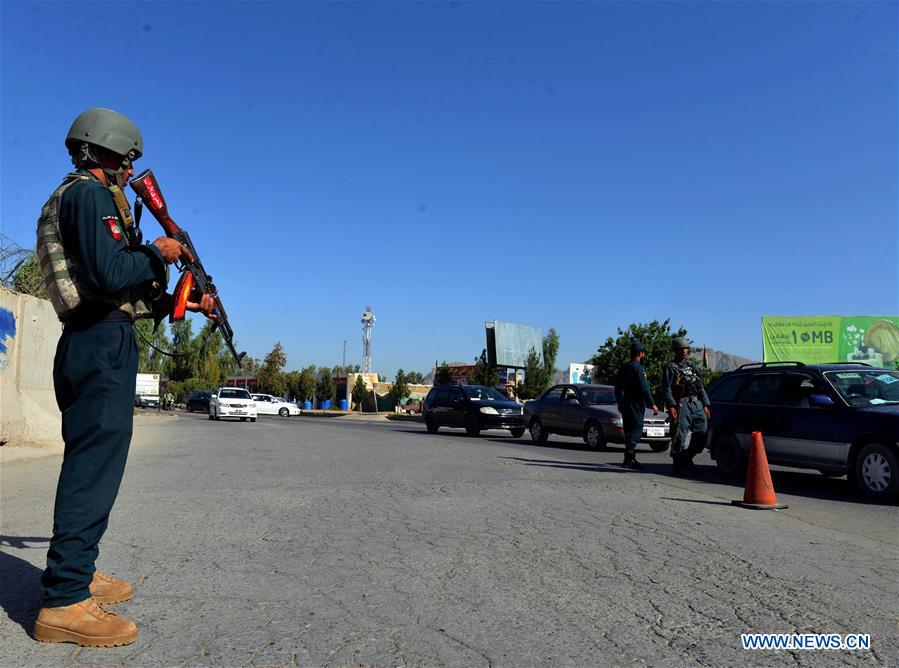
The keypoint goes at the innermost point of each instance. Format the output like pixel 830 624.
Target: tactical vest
pixel 62 271
pixel 687 381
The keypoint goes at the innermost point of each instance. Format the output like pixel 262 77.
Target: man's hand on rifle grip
pixel 206 306
pixel 172 251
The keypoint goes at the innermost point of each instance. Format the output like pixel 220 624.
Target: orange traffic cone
pixel 759 492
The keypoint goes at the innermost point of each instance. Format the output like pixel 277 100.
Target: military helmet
pixel 679 343
pixel 108 129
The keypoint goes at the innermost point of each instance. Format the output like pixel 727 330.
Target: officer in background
pixel 633 396
pixel 100 277
pixel 688 407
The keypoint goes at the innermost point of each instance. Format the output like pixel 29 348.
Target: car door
pixel 758 411
pixel 440 406
pixel 807 435
pixel 457 407
pixel 263 404
pixel 549 407
pixel 570 412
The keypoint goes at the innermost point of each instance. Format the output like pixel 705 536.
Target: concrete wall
pixel 29 331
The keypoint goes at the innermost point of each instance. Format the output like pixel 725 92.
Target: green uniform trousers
pixel 690 418
pixel 94 374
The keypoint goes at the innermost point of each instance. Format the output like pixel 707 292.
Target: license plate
pixel 655 432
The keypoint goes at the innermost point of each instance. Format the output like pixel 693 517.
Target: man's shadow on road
pixel 20 582
pixel 597 467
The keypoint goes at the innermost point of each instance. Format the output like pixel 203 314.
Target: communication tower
pixel 368 321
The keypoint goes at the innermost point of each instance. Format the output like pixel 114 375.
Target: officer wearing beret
pixel 100 278
pixel 688 407
pixel 633 396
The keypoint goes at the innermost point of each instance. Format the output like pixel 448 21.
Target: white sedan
pixel 266 404
pixel 232 402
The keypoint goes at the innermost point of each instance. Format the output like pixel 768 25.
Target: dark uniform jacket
pixel 631 387
pixel 92 229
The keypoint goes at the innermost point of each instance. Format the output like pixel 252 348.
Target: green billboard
pixel 821 339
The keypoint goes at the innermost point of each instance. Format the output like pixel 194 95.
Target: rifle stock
pixel 199 282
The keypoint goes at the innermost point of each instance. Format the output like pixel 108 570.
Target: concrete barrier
pixel 29 331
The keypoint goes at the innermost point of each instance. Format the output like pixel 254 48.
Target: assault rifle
pixel 194 281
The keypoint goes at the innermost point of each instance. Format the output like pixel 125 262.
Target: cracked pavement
pixel 328 542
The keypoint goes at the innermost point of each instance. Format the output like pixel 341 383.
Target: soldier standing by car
pixel 100 278
pixel 688 407
pixel 633 396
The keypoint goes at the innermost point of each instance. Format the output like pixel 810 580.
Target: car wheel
pixel 210 417
pixel 538 434
pixel 728 457
pixel 252 419
pixel 517 433
pixel 411 411
pixel 431 426
pixel 243 419
pixel 284 412
pixel 877 472
pixel 659 447
pixel 471 426
pixel 593 437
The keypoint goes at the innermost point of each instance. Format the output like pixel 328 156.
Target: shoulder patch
pixel 113 227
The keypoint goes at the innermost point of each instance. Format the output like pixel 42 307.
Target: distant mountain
pixel 719 361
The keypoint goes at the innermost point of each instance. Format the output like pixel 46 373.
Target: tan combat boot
pixel 107 590
pixel 84 623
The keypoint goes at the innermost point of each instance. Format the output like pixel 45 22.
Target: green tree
pixel 28 279
pixel 270 376
pixel 215 362
pixel 324 387
pixel 443 375
pixel 550 352
pixel 483 373
pixel 415 378
pixel 185 363
pixel 148 359
pixel 306 383
pixel 656 338
pixel 360 391
pixel 400 389
pixel 535 379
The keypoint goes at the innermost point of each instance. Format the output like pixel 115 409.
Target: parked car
pixel 588 411
pixel 232 402
pixel 266 404
pixel 146 401
pixel 473 407
pixel 198 401
pixel 841 419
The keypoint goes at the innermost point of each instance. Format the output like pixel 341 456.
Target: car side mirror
pixel 820 401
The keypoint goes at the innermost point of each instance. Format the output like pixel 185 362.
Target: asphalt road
pixel 331 542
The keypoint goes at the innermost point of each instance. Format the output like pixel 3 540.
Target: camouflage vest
pixel 62 270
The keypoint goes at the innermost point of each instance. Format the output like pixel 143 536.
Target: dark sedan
pixel 198 401
pixel 842 419
pixel 472 407
pixel 588 411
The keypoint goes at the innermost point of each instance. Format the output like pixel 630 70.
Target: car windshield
pixel 230 393
pixel 598 395
pixel 484 393
pixel 866 387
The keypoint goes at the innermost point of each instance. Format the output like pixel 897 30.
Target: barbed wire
pixel 13 258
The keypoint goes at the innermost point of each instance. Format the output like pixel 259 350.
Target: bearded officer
pixel 100 278
pixel 688 407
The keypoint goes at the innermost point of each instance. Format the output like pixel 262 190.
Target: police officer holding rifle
pixel 100 278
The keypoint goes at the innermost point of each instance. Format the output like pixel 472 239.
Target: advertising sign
pixel 579 373
pixel 508 343
pixel 873 340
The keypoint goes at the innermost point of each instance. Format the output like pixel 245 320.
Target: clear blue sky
pixel 581 166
